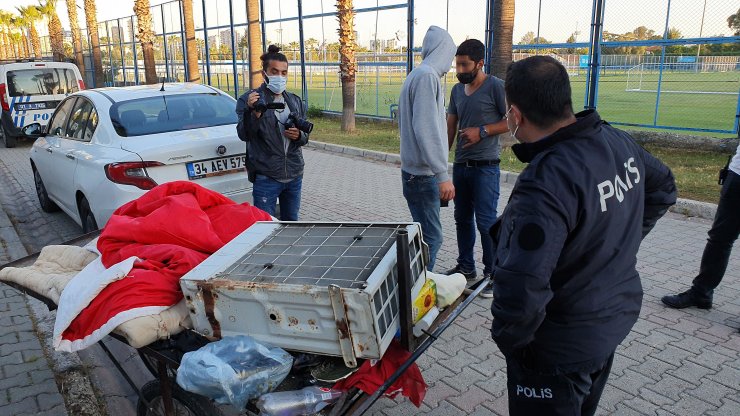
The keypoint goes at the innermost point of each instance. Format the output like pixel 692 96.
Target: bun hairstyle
pixel 273 54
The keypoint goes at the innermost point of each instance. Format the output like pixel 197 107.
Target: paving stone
pixel 729 407
pixel 26 406
pixel 688 405
pixel 664 351
pixel 19 393
pixel 470 398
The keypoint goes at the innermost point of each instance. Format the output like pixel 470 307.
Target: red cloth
pixel 171 229
pixel 369 378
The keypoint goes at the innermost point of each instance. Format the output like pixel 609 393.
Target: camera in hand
pixel 300 123
pixel 261 105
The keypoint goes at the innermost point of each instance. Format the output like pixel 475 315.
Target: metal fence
pixel 647 68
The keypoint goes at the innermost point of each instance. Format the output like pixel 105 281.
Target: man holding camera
pixel 271 122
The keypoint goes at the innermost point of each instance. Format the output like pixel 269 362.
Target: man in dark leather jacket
pixel 566 291
pixel 274 158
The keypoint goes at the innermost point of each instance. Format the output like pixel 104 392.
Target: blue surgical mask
pixel 276 83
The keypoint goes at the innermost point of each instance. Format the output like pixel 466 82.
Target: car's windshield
pixel 42 81
pixel 166 113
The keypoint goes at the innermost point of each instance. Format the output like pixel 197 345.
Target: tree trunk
pixel 348 62
pixel 76 36
pixel 56 35
pixel 254 33
pixel 190 44
pixel 35 41
pixel 503 33
pixel 24 43
pixel 91 19
pixel 145 34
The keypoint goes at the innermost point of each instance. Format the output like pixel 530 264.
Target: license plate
pixel 216 167
pixel 31 106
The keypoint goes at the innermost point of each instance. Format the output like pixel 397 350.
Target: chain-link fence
pixel 674 65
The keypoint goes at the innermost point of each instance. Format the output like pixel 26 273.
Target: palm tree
pixel 190 46
pixel 255 43
pixel 18 22
pixel 56 35
pixel 503 34
pixel 348 62
pixel 15 38
pixel 29 16
pixel 146 38
pixel 6 21
pixel 76 36
pixel 91 19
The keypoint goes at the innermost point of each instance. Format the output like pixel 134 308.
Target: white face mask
pixel 276 83
pixel 516 129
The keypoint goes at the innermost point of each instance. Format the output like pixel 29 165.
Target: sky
pixel 463 18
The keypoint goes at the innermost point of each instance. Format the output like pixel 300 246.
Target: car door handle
pixel 70 156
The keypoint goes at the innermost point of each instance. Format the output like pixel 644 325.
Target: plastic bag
pixel 234 370
pixel 449 288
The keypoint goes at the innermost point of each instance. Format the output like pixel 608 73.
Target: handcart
pixel 162 396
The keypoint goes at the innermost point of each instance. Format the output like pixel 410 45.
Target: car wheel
pixel 47 205
pixel 86 217
pixel 184 403
pixel 8 140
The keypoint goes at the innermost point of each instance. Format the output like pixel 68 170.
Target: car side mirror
pixel 33 130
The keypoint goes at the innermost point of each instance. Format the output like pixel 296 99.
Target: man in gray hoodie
pixel 424 149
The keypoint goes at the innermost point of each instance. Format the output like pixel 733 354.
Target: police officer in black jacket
pixel 566 291
pixel 274 157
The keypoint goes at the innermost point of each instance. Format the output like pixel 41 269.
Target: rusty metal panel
pixel 260 284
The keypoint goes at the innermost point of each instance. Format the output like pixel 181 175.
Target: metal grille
pixel 317 254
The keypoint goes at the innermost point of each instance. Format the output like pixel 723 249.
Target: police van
pixel 29 93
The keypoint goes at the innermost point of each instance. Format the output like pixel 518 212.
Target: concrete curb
pixel 10 243
pixel 687 207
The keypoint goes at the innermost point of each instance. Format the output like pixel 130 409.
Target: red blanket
pixel 170 229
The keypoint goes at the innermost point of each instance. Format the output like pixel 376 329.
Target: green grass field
pixel 708 110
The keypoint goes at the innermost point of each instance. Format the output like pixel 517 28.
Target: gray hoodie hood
pixel 438 50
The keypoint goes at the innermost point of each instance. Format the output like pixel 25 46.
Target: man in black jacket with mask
pixel 566 291
pixel 274 157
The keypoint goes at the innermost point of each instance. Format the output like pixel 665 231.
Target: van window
pixel 42 81
pixel 172 113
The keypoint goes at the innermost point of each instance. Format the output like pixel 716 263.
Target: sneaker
pixel 471 277
pixel 687 299
pixel 487 292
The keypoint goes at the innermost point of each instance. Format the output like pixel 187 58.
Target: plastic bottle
pixel 425 322
pixel 307 401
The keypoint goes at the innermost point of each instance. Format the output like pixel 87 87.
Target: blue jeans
pixel 422 196
pixel 266 192
pixel 476 198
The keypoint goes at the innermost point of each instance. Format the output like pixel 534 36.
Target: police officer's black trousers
pixel 535 393
pixel 722 236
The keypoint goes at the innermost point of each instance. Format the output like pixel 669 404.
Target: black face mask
pixel 467 77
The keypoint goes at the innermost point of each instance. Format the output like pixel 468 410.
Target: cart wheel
pixel 184 403
pixel 151 365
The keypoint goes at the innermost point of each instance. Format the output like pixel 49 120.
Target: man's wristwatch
pixel 483 132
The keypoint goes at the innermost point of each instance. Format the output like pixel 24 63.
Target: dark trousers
pixel 476 198
pixel 722 236
pixel 536 393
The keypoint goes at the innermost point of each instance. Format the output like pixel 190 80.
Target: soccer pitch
pixel 690 100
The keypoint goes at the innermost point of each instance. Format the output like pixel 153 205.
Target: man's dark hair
pixel 540 88
pixel 273 54
pixel 473 48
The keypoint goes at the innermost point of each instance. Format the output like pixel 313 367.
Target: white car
pixel 29 92
pixel 105 147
